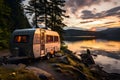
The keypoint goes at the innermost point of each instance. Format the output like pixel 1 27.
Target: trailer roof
pixel 28 29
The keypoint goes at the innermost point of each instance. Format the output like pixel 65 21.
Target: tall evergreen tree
pixel 5 12
pixel 11 18
pixel 18 18
pixel 49 12
pixel 36 7
pixel 56 16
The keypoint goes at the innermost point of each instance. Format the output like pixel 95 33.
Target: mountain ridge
pixel 109 34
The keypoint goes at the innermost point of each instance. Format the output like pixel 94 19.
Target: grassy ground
pixel 65 67
pixel 5 52
pixel 16 74
pixel 72 67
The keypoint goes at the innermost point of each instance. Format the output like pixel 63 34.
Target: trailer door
pixel 42 42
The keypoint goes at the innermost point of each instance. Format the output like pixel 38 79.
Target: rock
pixel 87 58
pixel 58 54
pixel 14 66
pixel 10 66
pixel 63 59
pixel 114 76
pixel 21 66
pixel 3 60
pixel 95 67
pixel 43 77
pixel 40 73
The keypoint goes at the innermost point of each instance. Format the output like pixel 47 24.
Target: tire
pixel 48 56
pixel 53 55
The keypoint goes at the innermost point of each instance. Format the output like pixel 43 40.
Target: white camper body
pixel 45 42
pixel 34 43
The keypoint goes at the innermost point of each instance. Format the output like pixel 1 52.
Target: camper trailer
pixel 34 43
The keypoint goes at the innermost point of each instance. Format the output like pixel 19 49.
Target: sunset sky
pixel 92 14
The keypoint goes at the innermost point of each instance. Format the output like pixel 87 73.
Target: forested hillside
pixel 11 18
pixel 108 34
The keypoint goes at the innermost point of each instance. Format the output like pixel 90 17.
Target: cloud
pixel 107 0
pixel 81 3
pixel 86 22
pixel 109 22
pixel 113 11
pixel 75 5
pixel 87 14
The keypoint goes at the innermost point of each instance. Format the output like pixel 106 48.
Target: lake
pixel 108 52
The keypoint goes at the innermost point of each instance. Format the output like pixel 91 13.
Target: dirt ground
pixel 5 52
pixel 46 66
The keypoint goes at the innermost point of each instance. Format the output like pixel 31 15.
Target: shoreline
pixel 72 60
pixel 109 61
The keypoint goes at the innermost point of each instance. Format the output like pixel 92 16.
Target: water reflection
pixel 108 52
pixel 94 44
pixel 109 64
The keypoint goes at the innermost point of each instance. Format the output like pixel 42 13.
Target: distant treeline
pixel 109 34
pixel 11 18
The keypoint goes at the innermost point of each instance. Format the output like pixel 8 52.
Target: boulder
pixel 63 59
pixel 43 75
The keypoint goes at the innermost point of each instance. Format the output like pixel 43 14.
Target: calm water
pixel 108 52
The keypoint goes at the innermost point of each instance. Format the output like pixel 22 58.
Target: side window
pixel 56 39
pixel 49 38
pixel 42 38
pixel 21 39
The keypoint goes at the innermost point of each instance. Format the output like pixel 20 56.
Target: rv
pixel 34 43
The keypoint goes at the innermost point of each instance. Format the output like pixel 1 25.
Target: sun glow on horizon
pixel 93 29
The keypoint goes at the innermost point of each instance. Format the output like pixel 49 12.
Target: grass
pixel 16 74
pixel 73 68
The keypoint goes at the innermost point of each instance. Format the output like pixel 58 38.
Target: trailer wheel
pixel 53 55
pixel 48 56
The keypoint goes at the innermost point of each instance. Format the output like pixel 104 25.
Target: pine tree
pixel 49 12
pixel 11 18
pixel 56 16
pixel 36 7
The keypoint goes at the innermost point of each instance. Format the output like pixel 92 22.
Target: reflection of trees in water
pixel 109 64
pixel 106 53
pixel 110 68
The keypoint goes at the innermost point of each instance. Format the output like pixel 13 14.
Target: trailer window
pixel 21 38
pixel 55 38
pixel 49 38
